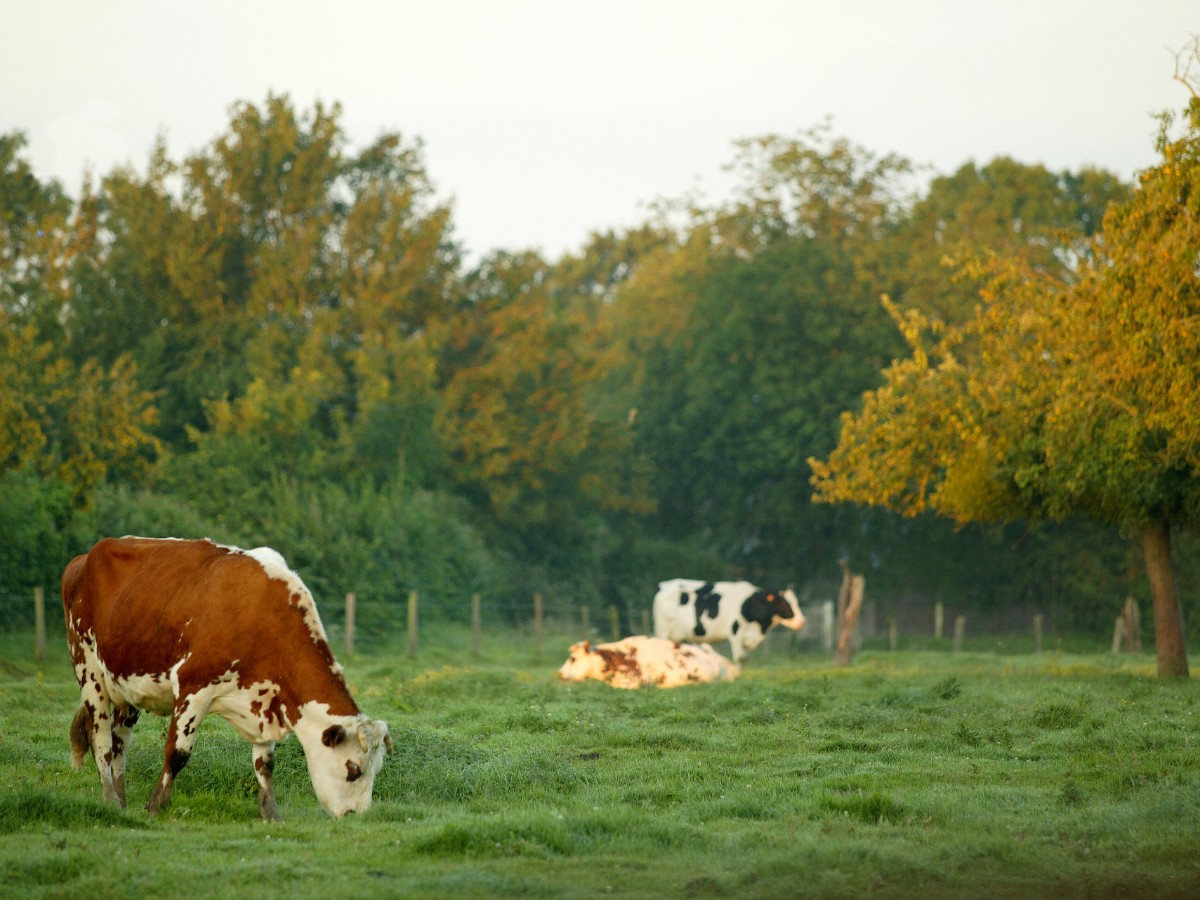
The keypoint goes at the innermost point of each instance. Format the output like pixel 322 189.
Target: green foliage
pixel 66 416
pixel 519 368
pixel 283 290
pixel 274 340
pixel 380 544
pixel 1004 208
pixel 120 510
pixel 753 356
pixel 1057 398
pixel 32 223
pixel 35 524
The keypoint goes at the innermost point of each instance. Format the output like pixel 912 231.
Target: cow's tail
pixel 81 736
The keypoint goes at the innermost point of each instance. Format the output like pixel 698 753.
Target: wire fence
pixel 358 623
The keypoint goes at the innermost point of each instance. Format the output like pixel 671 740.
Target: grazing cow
pixel 638 661
pixel 185 628
pixel 734 611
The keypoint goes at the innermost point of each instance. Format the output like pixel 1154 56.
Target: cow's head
pixel 786 609
pixel 582 663
pixel 344 763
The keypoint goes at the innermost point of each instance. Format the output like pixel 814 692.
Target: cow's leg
pixel 264 766
pixel 738 650
pixel 190 711
pixel 99 708
pixel 124 718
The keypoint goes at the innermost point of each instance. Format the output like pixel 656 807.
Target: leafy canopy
pixel 1065 393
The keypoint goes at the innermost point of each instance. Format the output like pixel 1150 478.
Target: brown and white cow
pixel 637 661
pixel 686 609
pixel 186 628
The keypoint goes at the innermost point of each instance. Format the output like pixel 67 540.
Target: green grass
pixel 920 773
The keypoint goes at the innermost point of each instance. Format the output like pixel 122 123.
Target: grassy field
pixel 911 774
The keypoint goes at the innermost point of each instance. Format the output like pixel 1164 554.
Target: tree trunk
pixel 850 599
pixel 1168 615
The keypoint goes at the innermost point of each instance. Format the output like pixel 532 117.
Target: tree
pixel 1061 396
pixel 748 335
pixel 519 363
pixel 71 420
pixel 1006 208
pixel 275 282
pixel 33 236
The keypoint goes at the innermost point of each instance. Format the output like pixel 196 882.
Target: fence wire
pixel 365 623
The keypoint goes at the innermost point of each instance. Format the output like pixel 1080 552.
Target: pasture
pixel 917 773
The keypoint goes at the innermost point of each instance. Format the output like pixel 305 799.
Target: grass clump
pixel 873 808
pixel 34 809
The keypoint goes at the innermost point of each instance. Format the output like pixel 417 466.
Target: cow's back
pixel 135 599
pixel 148 603
pixel 674 614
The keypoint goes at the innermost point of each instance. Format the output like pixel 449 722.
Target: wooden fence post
pixel 939 620
pixel 350 602
pixel 413 624
pixel 1118 634
pixel 1037 633
pixel 537 622
pixel 614 622
pixel 960 627
pixel 893 633
pixel 476 625
pixel 1133 626
pixel 827 621
pixel 39 624
pixel 585 617
pixel 645 621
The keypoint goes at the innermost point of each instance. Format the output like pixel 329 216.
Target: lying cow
pixel 185 628
pixel 638 661
pixel 734 611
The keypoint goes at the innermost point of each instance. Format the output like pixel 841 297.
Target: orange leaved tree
pixel 1061 397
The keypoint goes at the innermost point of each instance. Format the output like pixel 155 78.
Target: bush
pixel 35 518
pixel 378 542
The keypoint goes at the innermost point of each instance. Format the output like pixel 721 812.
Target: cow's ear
pixel 587 646
pixel 333 735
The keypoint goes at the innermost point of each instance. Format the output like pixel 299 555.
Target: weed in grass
pixel 873 809
pixel 966 735
pixel 1070 795
pixel 948 688
pixel 1057 716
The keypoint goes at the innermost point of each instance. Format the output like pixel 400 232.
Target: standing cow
pixel 637 661
pixel 736 611
pixel 184 628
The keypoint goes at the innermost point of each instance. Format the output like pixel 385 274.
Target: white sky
pixel 544 120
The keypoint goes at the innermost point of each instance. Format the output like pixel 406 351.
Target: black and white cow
pixel 686 609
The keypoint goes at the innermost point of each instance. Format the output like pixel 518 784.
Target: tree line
pixel 278 340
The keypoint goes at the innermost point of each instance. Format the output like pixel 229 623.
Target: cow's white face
pixel 581 663
pixel 344 761
pixel 796 620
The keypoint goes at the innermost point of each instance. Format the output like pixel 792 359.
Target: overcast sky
pixel 544 120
